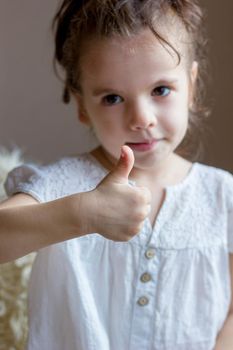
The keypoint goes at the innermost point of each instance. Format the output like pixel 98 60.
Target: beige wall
pixel 31 113
pixel 220 28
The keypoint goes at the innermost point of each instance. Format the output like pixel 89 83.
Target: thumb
pixel 124 165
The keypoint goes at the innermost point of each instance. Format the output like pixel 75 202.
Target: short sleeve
pixel 28 179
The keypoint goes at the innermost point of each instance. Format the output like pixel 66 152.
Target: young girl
pixel 133 238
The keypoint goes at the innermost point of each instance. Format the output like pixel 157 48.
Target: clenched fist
pixel 118 209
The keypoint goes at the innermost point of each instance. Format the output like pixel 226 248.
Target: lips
pixel 144 145
pixel 141 142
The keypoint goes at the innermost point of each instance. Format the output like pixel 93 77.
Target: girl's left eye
pixel 162 91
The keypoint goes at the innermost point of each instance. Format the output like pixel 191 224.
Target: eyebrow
pixel 102 91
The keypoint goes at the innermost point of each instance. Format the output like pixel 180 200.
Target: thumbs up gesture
pixel 118 209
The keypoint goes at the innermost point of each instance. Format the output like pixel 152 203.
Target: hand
pixel 118 209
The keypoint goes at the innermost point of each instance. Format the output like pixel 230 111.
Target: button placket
pixel 145 297
pixel 150 253
pixel 143 301
pixel 146 277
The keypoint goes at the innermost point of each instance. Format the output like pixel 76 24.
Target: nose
pixel 142 116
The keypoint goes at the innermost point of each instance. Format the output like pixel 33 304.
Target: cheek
pixel 175 116
pixel 97 120
pixel 105 126
pixel 107 130
pixel 109 122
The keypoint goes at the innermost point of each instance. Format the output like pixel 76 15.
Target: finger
pixel 124 165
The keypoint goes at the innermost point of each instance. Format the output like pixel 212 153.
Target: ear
pixel 192 84
pixel 81 111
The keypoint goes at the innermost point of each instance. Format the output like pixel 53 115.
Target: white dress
pixel 166 289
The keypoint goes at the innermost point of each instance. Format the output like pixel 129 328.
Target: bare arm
pixel 114 209
pixel 225 337
pixel 26 225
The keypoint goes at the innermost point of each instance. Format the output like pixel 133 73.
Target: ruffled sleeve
pixel 29 179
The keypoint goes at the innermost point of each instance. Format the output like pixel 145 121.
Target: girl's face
pixel 135 93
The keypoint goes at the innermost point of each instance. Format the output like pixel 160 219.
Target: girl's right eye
pixel 112 100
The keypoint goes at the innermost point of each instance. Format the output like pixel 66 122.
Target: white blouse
pixel 166 289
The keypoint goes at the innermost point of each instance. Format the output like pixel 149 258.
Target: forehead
pixel 118 58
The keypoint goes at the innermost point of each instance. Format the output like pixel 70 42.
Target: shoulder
pixel 216 182
pixel 64 176
pixel 83 168
pixel 68 166
pixel 62 167
pixel 208 173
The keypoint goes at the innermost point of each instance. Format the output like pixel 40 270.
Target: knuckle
pixel 135 230
pixel 143 198
pixel 138 195
pixel 140 216
pixel 131 231
pixel 135 200
pixel 140 198
pixel 122 237
pixel 143 195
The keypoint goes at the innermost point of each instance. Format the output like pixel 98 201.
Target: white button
pixel 146 277
pixel 143 301
pixel 150 253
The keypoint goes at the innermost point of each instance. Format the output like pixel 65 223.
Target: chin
pixel 148 161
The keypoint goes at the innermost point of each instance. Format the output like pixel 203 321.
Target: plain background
pixel 32 115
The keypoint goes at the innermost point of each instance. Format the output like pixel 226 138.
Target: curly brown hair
pixel 76 20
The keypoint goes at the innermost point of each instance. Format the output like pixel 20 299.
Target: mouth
pixel 145 145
